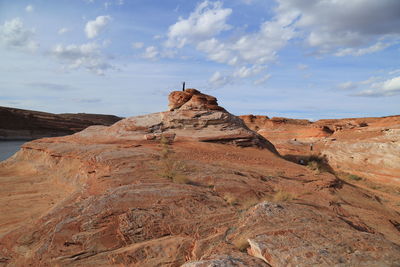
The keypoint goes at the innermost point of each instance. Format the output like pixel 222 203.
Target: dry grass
pixel 231 199
pixel 241 243
pixel 355 177
pixel 318 164
pixel 171 167
pixel 282 196
pixel 250 202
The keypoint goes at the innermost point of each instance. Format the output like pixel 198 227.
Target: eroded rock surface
pixel 194 120
pixel 117 196
pixel 192 99
pixel 368 147
pixel 312 238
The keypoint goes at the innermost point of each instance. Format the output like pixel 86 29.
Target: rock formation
pixel 367 148
pixel 192 99
pixel 27 124
pixel 198 119
pixel 214 194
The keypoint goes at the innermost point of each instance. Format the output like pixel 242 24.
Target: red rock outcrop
pixel 195 120
pixel 28 124
pixel 192 99
pixel 117 196
pixel 366 147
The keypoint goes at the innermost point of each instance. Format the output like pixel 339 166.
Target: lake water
pixel 8 148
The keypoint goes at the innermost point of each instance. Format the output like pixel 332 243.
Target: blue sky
pixel 294 58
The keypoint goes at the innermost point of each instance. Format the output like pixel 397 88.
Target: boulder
pixel 192 99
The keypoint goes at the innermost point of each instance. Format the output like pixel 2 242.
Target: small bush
pixel 355 177
pixel 318 164
pixel 283 196
pixel 314 165
pixel 231 199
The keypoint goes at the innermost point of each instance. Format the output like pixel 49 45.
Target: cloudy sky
pixel 294 58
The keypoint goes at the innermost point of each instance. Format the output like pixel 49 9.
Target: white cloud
pixel 245 72
pixel 94 27
pixel 208 20
pixel 263 79
pixel 392 85
pixel 254 48
pixel 345 27
pixel 151 52
pixel 362 51
pixel 168 53
pixel 87 56
pixel 394 72
pixel 248 52
pixel 29 8
pixel 137 45
pixel 107 4
pixel 348 85
pixel 13 34
pixel 106 43
pixel 372 82
pixel 217 51
pixel 302 66
pixel 63 30
pixel 219 80
pixel 377 86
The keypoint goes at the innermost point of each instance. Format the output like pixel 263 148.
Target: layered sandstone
pixel 368 147
pixel 192 99
pixel 214 194
pixel 28 124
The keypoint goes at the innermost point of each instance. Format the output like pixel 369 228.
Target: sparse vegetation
pixel 231 199
pixel 171 168
pixel 241 243
pixel 318 164
pixel 282 196
pixel 250 202
pixel 280 173
pixel 355 177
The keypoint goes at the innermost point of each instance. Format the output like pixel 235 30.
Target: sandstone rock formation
pixel 369 147
pixel 192 99
pixel 366 148
pixel 121 196
pixel 198 119
pixel 27 124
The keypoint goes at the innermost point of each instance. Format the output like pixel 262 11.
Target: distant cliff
pixel 27 124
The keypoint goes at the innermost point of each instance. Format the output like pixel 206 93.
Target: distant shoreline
pixel 16 139
pixel 20 124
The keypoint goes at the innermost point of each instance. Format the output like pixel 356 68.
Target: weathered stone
pixel 112 196
pixel 192 99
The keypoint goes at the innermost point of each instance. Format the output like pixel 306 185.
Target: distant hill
pixel 18 124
